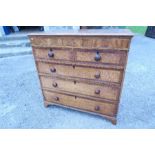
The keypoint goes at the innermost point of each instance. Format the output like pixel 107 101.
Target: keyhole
pixel 75 97
pixel 73 66
pixel 74 82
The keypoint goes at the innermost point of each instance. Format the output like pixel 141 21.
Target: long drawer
pixel 108 75
pixel 102 91
pixel 82 42
pixel 81 103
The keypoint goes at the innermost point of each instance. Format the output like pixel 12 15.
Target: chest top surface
pixel 93 32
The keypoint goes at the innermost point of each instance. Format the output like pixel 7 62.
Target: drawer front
pixel 53 54
pixel 80 72
pixel 81 103
pixel 107 92
pixel 81 42
pixel 98 56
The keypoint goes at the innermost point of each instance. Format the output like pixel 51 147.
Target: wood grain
pixel 58 54
pixel 107 57
pixel 78 55
pixel 81 103
pixel 83 64
pixel 81 42
pixel 81 72
pixel 104 91
pixel 113 119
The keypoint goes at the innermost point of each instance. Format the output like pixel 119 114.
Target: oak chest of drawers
pixel 83 69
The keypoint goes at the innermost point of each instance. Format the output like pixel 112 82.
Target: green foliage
pixel 136 29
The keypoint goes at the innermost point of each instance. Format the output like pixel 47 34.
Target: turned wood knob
pixel 50 53
pixel 56 98
pixel 53 69
pixel 55 84
pixel 97 108
pixel 97 91
pixel 97 75
pixel 97 56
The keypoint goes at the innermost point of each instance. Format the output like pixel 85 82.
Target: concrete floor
pixel 21 103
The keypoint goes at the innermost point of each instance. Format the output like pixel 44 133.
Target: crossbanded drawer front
pixel 81 42
pixel 53 53
pixel 81 72
pixel 81 103
pixel 101 56
pixel 101 91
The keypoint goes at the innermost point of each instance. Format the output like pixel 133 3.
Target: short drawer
pixel 81 103
pixel 80 72
pixel 53 53
pixel 101 56
pixel 102 91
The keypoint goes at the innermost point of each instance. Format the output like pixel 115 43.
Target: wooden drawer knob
pixel 97 108
pixel 53 69
pixel 97 56
pixel 97 75
pixel 55 84
pixel 50 54
pixel 56 98
pixel 97 91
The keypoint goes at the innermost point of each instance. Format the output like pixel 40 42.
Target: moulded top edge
pixel 86 32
